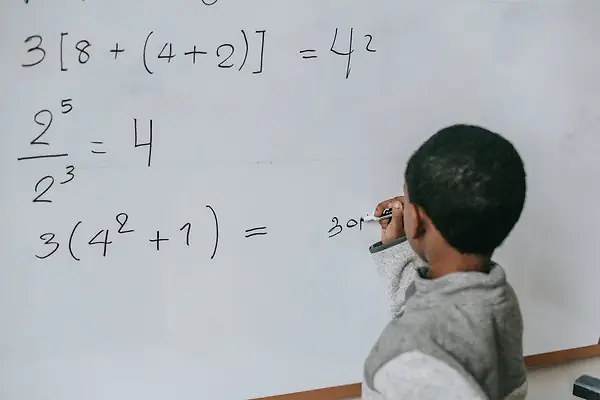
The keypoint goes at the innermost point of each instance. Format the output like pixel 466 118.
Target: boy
pixel 457 331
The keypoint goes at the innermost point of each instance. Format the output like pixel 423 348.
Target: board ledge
pixel 353 391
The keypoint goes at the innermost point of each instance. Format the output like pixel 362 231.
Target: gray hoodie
pixel 456 337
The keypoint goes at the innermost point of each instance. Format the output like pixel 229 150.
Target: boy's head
pixel 464 189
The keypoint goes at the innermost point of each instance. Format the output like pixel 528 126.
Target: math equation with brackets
pixel 244 50
pixel 251 47
pixel 177 171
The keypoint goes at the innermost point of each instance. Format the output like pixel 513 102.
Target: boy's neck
pixel 451 261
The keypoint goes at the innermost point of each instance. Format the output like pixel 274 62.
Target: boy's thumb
pixel 395 228
pixel 397 210
pixel 397 221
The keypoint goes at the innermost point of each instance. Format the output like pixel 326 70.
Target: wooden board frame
pixel 353 391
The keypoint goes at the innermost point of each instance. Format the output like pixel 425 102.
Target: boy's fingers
pixel 396 205
pixel 397 220
pixel 381 207
pixel 397 209
pixel 384 205
pixel 391 228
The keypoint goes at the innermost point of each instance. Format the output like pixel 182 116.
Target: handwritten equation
pixel 242 51
pixel 157 240
pixel 41 146
pixel 104 238
pixel 249 50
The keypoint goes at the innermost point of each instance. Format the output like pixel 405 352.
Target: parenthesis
pixel 144 54
pixel 71 241
pixel 247 49
pixel 217 231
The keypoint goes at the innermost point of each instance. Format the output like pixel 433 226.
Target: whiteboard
pixel 260 119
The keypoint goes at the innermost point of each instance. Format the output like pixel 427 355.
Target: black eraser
pixel 587 387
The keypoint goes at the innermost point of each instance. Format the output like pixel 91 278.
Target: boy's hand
pixel 391 228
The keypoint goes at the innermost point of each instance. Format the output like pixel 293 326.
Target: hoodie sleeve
pixel 416 375
pixel 396 264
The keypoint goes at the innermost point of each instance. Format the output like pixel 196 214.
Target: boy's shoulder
pixel 415 342
pixel 472 323
pixel 444 330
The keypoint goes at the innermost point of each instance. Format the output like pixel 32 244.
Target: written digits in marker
pixel 309 54
pixel 229 55
pixel 171 239
pixel 337 228
pixel 44 119
pixel 242 50
pixel 42 146
pixel 104 238
pixel 175 238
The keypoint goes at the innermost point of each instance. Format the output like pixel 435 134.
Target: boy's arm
pixel 416 375
pixel 396 264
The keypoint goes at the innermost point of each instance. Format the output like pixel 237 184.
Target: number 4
pixel 168 56
pixel 348 53
pixel 105 242
pixel 137 143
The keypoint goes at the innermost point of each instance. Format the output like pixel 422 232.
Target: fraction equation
pixel 248 50
pixel 42 149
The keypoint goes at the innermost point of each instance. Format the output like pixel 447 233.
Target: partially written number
pixel 338 228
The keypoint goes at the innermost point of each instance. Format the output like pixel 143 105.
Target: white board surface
pixel 274 137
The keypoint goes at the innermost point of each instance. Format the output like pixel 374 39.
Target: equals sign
pixel 261 230
pixel 97 151
pixel 307 54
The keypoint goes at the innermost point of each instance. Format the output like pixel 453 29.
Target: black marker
pixel 387 213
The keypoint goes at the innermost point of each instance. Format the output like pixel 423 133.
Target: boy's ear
pixel 419 221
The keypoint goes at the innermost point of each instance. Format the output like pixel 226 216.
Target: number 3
pixel 70 169
pixel 48 239
pixel 37 47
